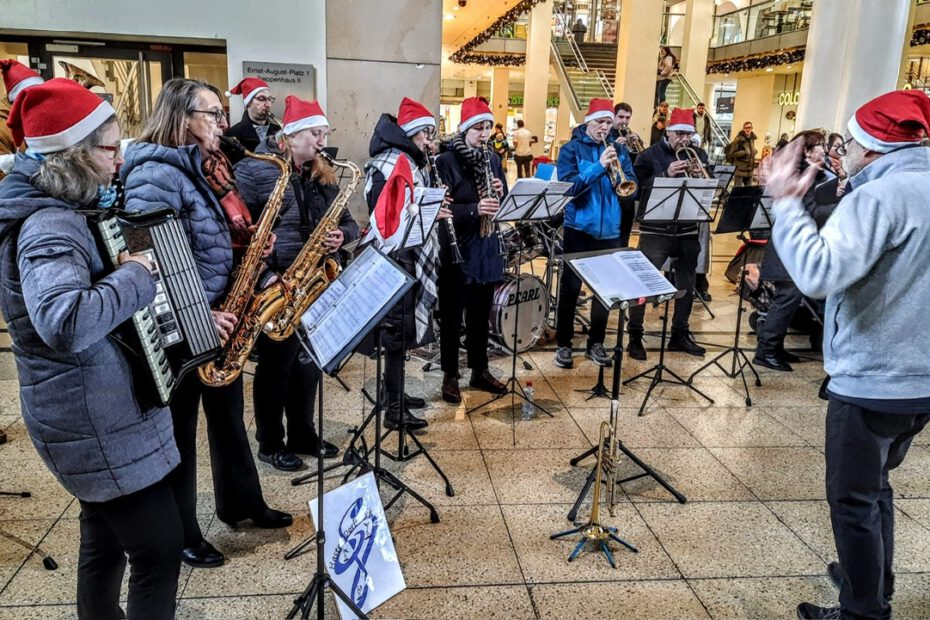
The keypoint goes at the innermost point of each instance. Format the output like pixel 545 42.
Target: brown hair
pixel 177 99
pixel 73 175
pixel 811 138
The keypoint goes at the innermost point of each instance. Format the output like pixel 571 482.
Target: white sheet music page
pixel 520 199
pixel 695 202
pixel 622 276
pixel 762 218
pixel 429 200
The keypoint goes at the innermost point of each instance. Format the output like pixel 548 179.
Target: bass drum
pixel 534 308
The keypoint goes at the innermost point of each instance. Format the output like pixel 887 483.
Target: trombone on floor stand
pixel 593 531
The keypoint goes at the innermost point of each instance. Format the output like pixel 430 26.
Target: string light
pixel 463 55
pixel 920 36
pixel 754 63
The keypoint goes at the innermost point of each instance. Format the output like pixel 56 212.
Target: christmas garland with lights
pixel 462 56
pixel 754 63
pixel 920 36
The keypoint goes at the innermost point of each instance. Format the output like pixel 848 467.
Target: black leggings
pixel 476 301
pixel 146 527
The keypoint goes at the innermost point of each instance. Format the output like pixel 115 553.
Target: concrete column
pixel 754 104
pixel 906 45
pixel 699 23
pixel 564 121
pixel 822 76
pixel 536 77
pixel 873 54
pixel 637 58
pixel 500 94
pixel 471 88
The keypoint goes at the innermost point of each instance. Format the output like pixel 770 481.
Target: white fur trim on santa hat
pixel 599 114
pixel 305 123
pixel 247 100
pixel 474 120
pixel 870 142
pixel 418 124
pixel 30 81
pixel 72 135
pixel 683 127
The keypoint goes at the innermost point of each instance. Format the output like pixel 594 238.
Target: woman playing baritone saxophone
pixel 61 300
pixel 469 287
pixel 166 167
pixel 285 385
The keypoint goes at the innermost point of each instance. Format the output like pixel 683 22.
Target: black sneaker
pixel 683 341
pixel 563 357
pixel 635 348
pixel 809 611
pixel 598 354
pixel 281 460
pixel 773 362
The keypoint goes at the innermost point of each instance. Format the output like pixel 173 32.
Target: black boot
pixel 683 340
pixel 635 348
pixel 393 417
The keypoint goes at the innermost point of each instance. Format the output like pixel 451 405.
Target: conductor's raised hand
pixel 785 178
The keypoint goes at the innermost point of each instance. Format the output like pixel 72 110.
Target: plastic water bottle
pixel 528 409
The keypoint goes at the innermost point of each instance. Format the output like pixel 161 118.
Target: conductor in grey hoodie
pixel 870 263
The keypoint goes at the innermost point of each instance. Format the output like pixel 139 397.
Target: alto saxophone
pixel 235 353
pixel 283 303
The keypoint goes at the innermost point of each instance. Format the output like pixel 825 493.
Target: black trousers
pixel 146 527
pixel 236 487
pixel 742 181
pixel 524 165
pixel 570 287
pixel 658 249
pixel 627 215
pixel 862 446
pixel 786 302
pixel 475 300
pixel 283 386
pixel 661 87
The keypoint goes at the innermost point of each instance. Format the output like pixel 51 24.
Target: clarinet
pixel 435 181
pixel 489 192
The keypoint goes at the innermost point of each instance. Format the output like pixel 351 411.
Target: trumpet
pixel 435 181
pixel 695 168
pixel 634 143
pixel 623 186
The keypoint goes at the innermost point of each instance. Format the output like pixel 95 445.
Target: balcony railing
pixel 761 20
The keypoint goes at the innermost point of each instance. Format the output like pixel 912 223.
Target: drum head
pixel 521 306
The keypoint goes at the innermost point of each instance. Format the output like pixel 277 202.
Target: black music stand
pixel 532 204
pixel 622 301
pixel 675 204
pixel 745 210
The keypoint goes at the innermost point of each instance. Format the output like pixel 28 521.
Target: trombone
pixel 695 168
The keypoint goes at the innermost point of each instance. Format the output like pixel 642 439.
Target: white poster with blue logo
pixel 360 555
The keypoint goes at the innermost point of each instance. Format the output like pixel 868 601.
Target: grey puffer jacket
pixel 76 388
pixel 158 176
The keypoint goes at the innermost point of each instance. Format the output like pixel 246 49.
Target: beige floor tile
pixel 779 387
pixel 694 472
pixel 729 539
pixel 49 499
pixel 546 561
pixel 244 607
pixel 740 427
pixel 535 476
pixel 811 522
pixel 464 468
pixel 761 598
pixel 656 430
pixel 503 602
pixel 917 509
pixel 634 599
pixel 808 421
pixel 39 612
pixel 19 446
pixel 672 396
pixel 255 562
pixel 9 397
pixel 910 479
pixel 777 473
pixel 13 555
pixel 470 546
pixel 495 432
pixel 912 597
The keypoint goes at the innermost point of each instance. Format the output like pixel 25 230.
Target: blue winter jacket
pixel 158 176
pixel 594 210
pixel 61 303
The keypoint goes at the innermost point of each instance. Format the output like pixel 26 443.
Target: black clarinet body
pixel 434 181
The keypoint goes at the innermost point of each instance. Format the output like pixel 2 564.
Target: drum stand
pixel 656 372
pixel 595 473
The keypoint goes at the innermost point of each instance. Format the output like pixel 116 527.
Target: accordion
pixel 175 333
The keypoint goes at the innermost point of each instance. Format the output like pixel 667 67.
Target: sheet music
pixel 429 201
pixel 349 304
pixel 622 276
pixel 663 200
pixel 762 218
pixel 522 202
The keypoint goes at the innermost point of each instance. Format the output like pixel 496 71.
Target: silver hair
pixel 74 175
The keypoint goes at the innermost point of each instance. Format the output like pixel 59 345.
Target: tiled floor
pixel 751 542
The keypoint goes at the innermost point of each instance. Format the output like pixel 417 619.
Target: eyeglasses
pixel 841 148
pixel 113 150
pixel 264 99
pixel 218 115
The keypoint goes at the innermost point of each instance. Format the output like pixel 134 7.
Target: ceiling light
pixel 450 16
pixel 769 69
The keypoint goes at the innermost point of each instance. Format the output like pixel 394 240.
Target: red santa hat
pixel 681 119
pixel 389 217
pixel 56 115
pixel 413 116
pixel 300 115
pixel 17 76
pixel 892 120
pixel 248 88
pixel 475 110
pixel 599 108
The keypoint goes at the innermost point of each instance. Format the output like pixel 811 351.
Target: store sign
pixel 517 100
pixel 788 98
pixel 284 79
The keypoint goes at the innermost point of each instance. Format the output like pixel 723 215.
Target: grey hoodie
pixel 871 261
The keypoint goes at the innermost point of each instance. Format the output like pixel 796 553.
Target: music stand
pixel 674 203
pixel 529 200
pixel 746 209
pixel 652 279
